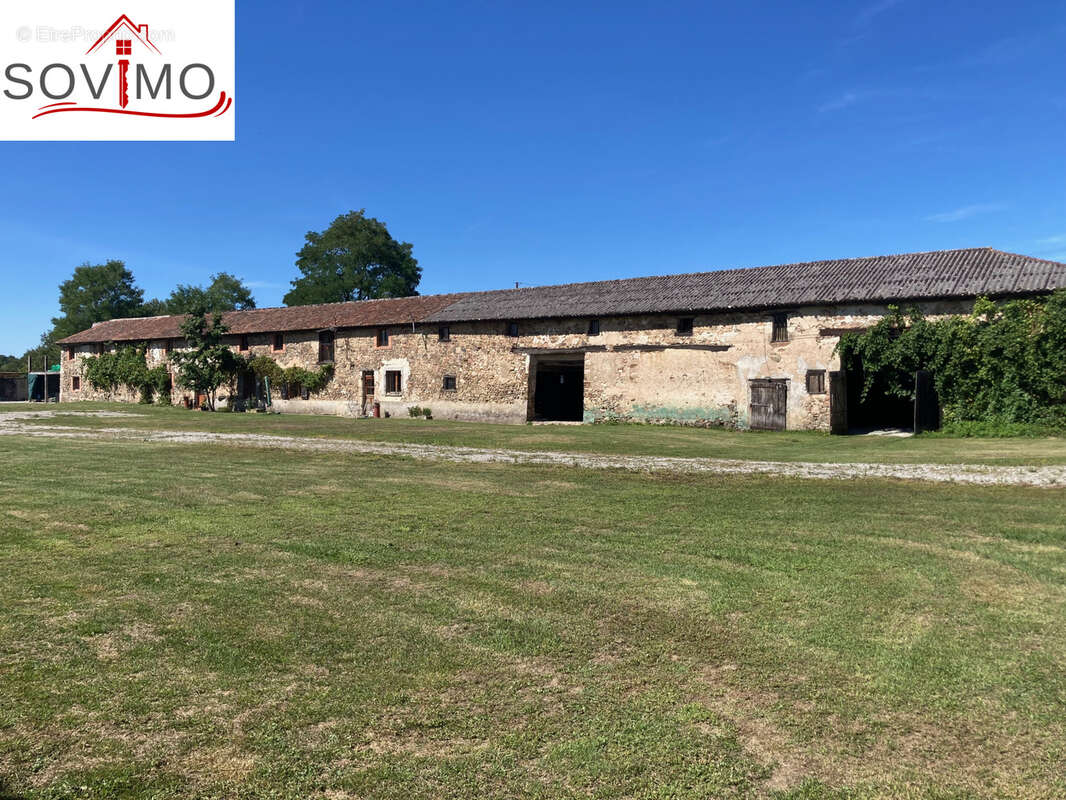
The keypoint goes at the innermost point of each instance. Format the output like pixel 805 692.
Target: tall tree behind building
pixel 226 292
pixel 355 258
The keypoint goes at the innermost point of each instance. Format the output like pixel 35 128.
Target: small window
pixel 279 342
pixel 244 342
pixel 75 383
pixel 101 348
pixel 383 337
pixel 70 354
pixel 168 346
pixel 512 330
pixel 444 333
pixel 393 382
pixel 449 383
pixel 780 329
pixel 123 47
pixel 325 346
pixel 816 381
pixel 594 327
pixel 685 325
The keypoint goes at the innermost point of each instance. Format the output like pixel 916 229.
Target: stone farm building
pixel 743 347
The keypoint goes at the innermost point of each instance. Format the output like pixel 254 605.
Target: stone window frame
pixel 70 353
pixel 393 375
pixel 382 339
pixel 75 383
pixel 512 329
pixel 243 343
pixel 686 326
pixel 444 333
pixel 594 327
pixel 168 347
pixel 449 379
pixel 278 345
pixel 816 381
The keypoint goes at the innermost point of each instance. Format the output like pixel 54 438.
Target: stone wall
pixel 637 367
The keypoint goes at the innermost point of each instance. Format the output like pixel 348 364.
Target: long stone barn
pixel 744 347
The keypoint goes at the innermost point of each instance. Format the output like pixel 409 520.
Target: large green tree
pixel 207 363
pixel 226 292
pixel 95 293
pixel 355 258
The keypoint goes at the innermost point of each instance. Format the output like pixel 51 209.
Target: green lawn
pixel 621 439
pixel 208 621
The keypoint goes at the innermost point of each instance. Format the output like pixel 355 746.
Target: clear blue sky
pixel 539 143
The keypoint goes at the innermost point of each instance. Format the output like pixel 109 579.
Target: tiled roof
pixel 365 314
pixel 912 276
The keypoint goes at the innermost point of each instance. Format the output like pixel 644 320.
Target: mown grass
pixel 211 621
pixel 611 439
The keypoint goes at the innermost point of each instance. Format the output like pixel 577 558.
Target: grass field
pixel 217 621
pixel 613 439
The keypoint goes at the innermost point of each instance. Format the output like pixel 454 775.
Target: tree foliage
pixel 207 363
pixel 226 292
pixel 128 367
pixel 355 258
pixel 95 293
pixel 313 381
pixel 1004 363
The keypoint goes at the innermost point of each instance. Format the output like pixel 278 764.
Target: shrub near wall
pixel 1004 364
pixel 128 367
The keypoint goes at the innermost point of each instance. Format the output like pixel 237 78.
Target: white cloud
pixel 870 12
pixel 965 212
pixel 843 101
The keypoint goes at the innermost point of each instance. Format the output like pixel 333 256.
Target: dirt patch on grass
pixel 1048 476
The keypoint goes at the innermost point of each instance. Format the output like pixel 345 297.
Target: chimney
pixel 143 31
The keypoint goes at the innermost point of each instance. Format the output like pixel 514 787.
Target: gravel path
pixel 13 423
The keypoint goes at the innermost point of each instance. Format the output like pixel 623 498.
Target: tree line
pixel 354 258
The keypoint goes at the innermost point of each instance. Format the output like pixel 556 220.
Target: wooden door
pixel 769 402
pixel 838 402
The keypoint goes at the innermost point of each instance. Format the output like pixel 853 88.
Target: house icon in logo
pixel 124 27
pixel 124 33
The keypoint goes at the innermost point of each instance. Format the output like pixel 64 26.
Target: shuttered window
pixel 325 346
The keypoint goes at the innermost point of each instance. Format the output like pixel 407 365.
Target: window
pixel 70 354
pixel 816 381
pixel 684 326
pixel 594 327
pixel 75 383
pixel 449 383
pixel 124 47
pixel 168 346
pixel 512 330
pixel 780 330
pixel 101 348
pixel 444 333
pixel 244 342
pixel 325 346
pixel 279 342
pixel 383 337
pixel 393 383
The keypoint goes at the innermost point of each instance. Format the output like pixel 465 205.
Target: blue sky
pixel 543 143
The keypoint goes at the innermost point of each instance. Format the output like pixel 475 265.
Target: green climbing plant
pixel 1003 364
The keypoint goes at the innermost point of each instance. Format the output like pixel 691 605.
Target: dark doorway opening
pixel 879 410
pixel 559 389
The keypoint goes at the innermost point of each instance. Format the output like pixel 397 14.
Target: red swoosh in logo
pixel 221 107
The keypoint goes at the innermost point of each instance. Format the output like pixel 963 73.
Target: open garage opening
pixel 558 388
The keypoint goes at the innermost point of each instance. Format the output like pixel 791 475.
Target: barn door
pixel 769 400
pixel 838 402
pixel 926 403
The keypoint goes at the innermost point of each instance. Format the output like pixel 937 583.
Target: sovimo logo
pixel 129 80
